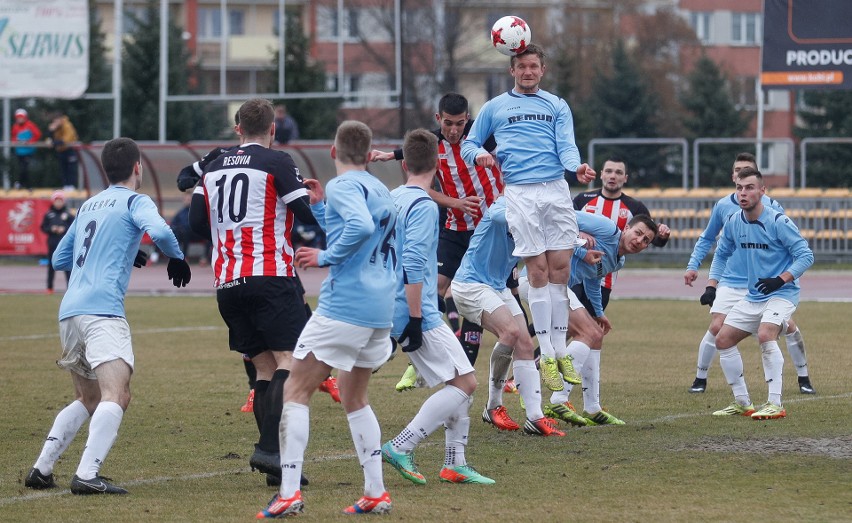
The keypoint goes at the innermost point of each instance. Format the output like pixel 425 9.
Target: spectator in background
pixel 286 128
pixel 55 224
pixel 24 130
pixel 63 135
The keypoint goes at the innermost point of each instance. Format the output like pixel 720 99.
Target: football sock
pixel 541 310
pixel 528 382
pixel 773 365
pixel 456 433
pixel 435 410
pixel 293 440
pixel 103 429
pixel 65 427
pixel 796 350
pixel 260 389
pixel 272 416
pixel 579 351
pixel 367 436
pixel 471 336
pixel 561 396
pixel 559 317
pixel 732 366
pixel 501 359
pixel 452 314
pixel 592 382
pixel 706 351
pixel 251 371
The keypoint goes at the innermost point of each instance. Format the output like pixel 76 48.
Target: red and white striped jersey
pixel 247 191
pixel 459 179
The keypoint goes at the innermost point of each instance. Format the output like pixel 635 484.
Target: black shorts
pixel 580 292
pixel 451 248
pixel 262 313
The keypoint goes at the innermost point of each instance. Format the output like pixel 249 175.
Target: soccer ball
pixel 510 35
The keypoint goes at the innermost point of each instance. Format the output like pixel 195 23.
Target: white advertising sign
pixel 44 48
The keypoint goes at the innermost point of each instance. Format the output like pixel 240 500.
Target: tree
pixel 711 112
pixel 141 85
pixel 827 114
pixel 317 118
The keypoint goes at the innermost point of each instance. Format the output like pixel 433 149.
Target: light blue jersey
pixel 534 133
pixel 488 258
pixel 100 247
pixel 358 218
pixel 735 275
pixel 417 248
pixel 770 246
pixel 607 236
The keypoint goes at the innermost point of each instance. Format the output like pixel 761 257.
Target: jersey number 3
pixel 87 242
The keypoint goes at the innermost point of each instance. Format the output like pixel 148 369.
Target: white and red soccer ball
pixel 510 35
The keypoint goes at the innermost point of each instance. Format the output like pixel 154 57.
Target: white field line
pixel 337 457
pixel 132 331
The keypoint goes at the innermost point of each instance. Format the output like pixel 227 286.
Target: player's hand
pixel 413 332
pixel 689 277
pixel 663 231
pixel 769 285
pixel 380 156
pixel 485 160
pixel 604 324
pixel 585 174
pixel 469 205
pixel 315 191
pixel 187 178
pixel 709 296
pixel 141 259
pixel 593 257
pixel 307 257
pixel 179 272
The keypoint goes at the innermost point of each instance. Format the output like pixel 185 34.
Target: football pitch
pixel 183 447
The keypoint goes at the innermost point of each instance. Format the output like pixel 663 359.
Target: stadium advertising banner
pixel 44 48
pixel 807 44
pixel 20 226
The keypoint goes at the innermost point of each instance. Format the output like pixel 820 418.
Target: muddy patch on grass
pixel 838 448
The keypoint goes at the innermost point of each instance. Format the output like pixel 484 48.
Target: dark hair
pixel 118 157
pixel 616 159
pixel 531 49
pixel 746 157
pixel 237 117
pixel 420 150
pixel 645 219
pixel 256 116
pixel 453 104
pixel 353 142
pixel 745 172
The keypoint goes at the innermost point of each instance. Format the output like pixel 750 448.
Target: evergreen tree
pixel 316 117
pixel 711 112
pixel 827 114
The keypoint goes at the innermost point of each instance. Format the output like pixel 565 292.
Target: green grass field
pixel 183 446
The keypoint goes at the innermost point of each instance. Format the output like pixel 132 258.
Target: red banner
pixel 20 222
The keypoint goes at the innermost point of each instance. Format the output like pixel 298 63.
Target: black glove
pixel 709 296
pixel 141 259
pixel 187 179
pixel 769 285
pixel 413 332
pixel 179 272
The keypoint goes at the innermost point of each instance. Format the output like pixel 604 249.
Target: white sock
pixel 579 351
pixel 773 365
pixel 528 381
pixel 293 432
pixel 558 318
pixel 65 427
pixel 592 383
pixel 561 396
pixel 706 351
pixel 796 350
pixel 732 366
pixel 456 434
pixel 367 436
pixel 103 429
pixel 541 311
pixel 501 360
pixel 435 411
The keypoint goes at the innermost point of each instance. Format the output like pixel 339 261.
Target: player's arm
pixel 291 189
pixel 348 201
pixel 706 239
pixel 199 215
pixel 472 150
pixel 724 248
pixel 382 156
pixel 468 204
pixel 791 238
pixel 63 256
pixel 143 213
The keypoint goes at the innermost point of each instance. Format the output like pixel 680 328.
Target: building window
pixel 700 23
pixel 210 23
pixel 327 24
pixel 133 16
pixel 744 28
pixel 743 90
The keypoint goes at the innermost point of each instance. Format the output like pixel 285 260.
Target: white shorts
pixel 472 299
pixel 726 298
pixel 574 302
pixel 89 340
pixel 342 345
pixel 748 315
pixel 441 357
pixel 541 217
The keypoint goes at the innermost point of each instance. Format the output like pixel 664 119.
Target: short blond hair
pixel 353 142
